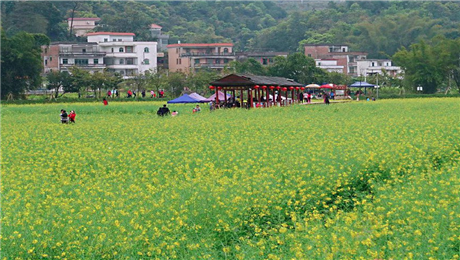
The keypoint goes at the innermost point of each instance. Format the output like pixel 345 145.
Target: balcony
pixel 122 66
pixel 209 66
pixel 121 55
pixel 117 44
pixel 210 55
pixel 83 65
pixel 82 54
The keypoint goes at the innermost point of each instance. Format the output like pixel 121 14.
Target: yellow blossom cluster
pixel 369 180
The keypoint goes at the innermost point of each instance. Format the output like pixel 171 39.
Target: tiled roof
pixel 155 26
pixel 84 19
pixel 251 80
pixel 111 33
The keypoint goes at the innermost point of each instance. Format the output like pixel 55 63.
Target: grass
pixel 369 180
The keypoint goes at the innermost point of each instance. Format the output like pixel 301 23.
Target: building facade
pixel 341 53
pixel 80 26
pixel 190 57
pixel 61 56
pixel 123 55
pixel 377 66
pixel 329 65
pixel 159 37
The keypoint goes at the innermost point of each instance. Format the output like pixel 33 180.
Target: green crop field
pixel 361 180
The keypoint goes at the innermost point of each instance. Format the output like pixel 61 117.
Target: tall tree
pixel 59 80
pixel 422 67
pixel 297 67
pixel 21 63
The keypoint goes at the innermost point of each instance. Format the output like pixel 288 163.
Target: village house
pixel 116 52
pixel 80 26
pixel 340 53
pixel 377 66
pixel 190 57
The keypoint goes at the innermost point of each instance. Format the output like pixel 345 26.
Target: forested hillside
pixel 380 28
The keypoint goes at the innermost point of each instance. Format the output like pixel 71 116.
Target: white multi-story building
pixel 373 66
pixel 125 56
pixel 329 65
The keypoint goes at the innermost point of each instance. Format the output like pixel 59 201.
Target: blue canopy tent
pixel 361 84
pixel 185 99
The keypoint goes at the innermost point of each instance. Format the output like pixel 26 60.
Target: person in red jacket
pixel 72 116
pixel 105 102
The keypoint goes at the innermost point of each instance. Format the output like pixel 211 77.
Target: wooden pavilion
pixel 256 91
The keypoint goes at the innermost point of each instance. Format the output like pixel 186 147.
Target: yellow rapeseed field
pixel 362 180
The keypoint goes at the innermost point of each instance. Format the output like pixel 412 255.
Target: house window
pixel 114 40
pixel 225 50
pixel 373 64
pixel 81 61
pixel 46 62
pixel 180 61
pixel 129 49
pixel 51 58
pixel 146 49
pixel 344 50
pixel 217 61
pixel 112 50
pixel 130 61
pixel 122 61
pixel 96 61
pixel 83 50
pixel 119 40
pixel 309 55
pixel 270 60
pixel 225 61
pixel 264 61
pixel 146 61
pixel 197 61
pixel 106 40
pixel 120 50
pixel 65 61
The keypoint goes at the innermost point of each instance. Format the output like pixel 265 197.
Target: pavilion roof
pixel 252 80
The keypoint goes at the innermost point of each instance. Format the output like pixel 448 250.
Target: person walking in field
pixel 109 94
pixel 72 116
pixel 326 98
pixel 105 102
pixel 152 93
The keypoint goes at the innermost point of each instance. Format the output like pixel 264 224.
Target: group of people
pixel 164 111
pixel 66 118
pixel 112 93
pixel 132 94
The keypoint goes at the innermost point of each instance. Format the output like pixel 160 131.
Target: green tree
pixel 250 66
pixel 422 67
pixel 297 67
pixel 199 81
pixel 81 79
pixel 176 83
pixel 21 63
pixel 57 80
